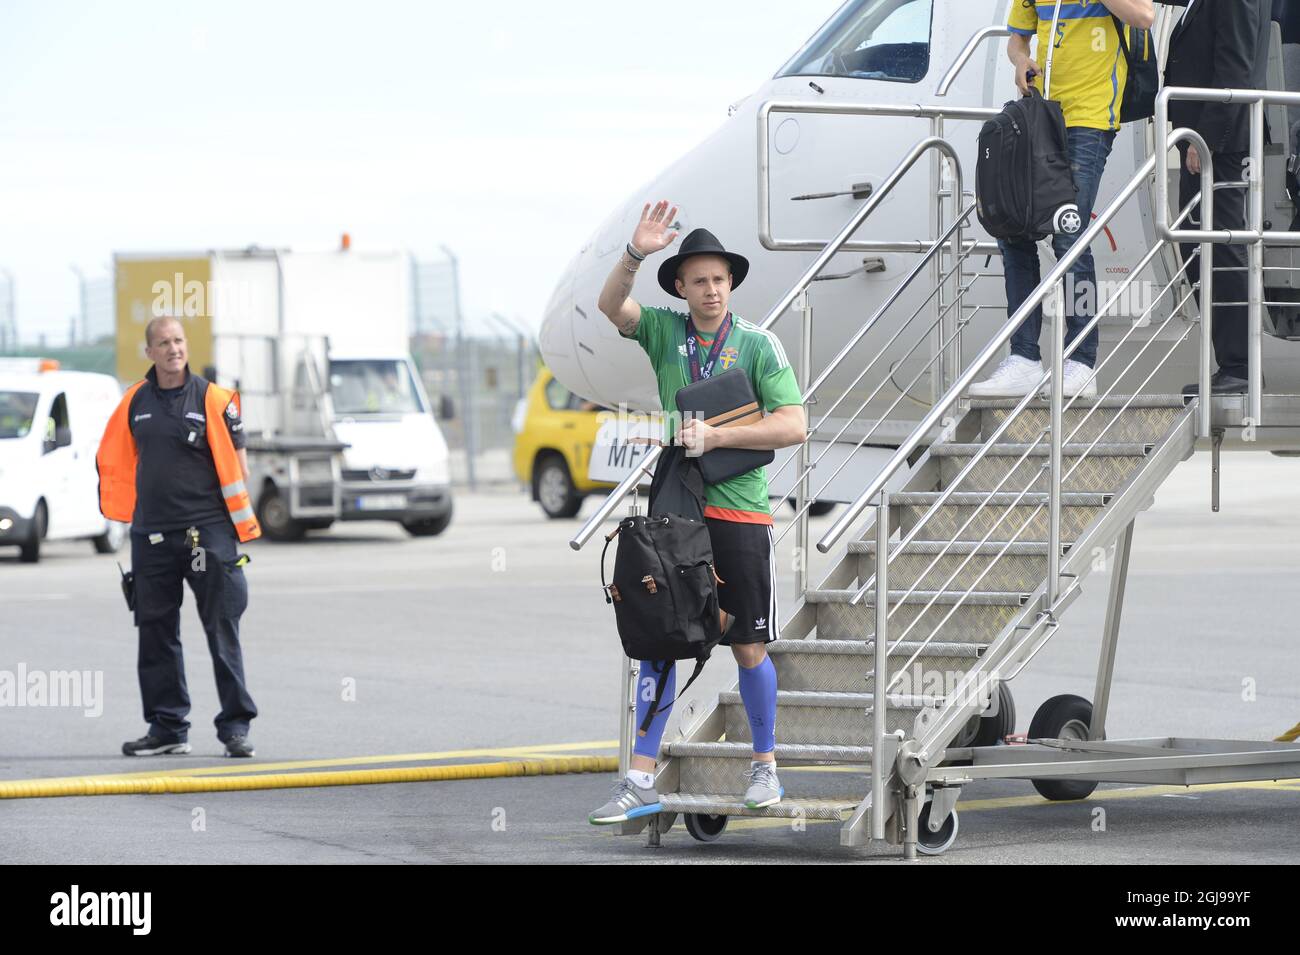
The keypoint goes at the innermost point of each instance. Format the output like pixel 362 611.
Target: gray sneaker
pixel 627 801
pixel 764 788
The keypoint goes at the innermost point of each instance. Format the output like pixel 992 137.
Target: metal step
pixel 1003 513
pixel 719 767
pixel 1143 418
pixel 847 665
pixel 791 807
pixel 979 619
pixel 819 717
pixel 932 564
pixel 1104 466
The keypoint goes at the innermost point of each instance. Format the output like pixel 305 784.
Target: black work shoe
pixel 153 746
pixel 239 746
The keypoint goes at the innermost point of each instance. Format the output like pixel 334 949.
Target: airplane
pixel 889 52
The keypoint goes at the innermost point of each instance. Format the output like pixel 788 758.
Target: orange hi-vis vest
pixel 117 459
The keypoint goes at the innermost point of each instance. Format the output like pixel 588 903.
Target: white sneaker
pixel 1078 379
pixel 1014 377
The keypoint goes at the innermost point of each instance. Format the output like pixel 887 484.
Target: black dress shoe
pixel 1221 384
pixel 239 746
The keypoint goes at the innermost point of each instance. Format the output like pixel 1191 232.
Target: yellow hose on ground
pixel 1290 736
pixel 155 785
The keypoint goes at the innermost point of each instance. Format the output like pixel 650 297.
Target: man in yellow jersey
pixel 1088 76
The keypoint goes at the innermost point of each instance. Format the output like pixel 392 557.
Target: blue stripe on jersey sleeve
pixel 1072 11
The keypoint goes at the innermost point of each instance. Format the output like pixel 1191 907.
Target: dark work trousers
pixel 1229 325
pixel 221 592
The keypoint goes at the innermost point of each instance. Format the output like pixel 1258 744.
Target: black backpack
pixel 1143 81
pixel 665 592
pixel 1024 185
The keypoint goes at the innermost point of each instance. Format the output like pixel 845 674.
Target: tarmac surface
pixel 368 649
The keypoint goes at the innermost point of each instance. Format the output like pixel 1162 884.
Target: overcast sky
pixel 504 130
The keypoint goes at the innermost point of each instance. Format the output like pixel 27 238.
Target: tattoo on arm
pixel 615 299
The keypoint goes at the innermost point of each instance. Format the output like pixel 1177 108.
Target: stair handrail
pixel 825 420
pixel 973 44
pixel 920 751
pixel 955 484
pixel 1254 234
pixel 1063 265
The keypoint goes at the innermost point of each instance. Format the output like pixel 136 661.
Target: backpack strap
pixel 604 588
pixel 1122 30
pixel 661 685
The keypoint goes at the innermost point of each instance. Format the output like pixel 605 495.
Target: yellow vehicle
pixel 553 446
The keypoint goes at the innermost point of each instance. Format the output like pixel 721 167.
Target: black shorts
pixel 744 558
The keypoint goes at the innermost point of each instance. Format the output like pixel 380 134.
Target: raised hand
pixel 652 233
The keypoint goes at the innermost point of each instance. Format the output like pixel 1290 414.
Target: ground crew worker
pixel 172 463
pixel 684 347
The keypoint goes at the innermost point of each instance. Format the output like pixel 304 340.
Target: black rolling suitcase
pixel 1024 185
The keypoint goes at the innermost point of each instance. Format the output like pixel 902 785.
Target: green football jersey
pixel 662 334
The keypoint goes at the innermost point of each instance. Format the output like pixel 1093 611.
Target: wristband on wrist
pixel 632 251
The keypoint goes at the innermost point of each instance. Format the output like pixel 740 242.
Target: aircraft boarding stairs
pixel 991 550
pixel 975 556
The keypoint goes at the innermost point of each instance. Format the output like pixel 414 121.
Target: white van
pixel 50 425
pixel 396 465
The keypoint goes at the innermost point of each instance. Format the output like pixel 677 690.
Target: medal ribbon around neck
pixel 692 348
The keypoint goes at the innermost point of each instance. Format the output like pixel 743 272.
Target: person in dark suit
pixel 1287 15
pixel 1220 44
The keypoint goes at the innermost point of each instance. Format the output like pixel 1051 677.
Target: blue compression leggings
pixel 757 690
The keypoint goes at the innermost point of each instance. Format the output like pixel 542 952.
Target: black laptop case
pixel 724 400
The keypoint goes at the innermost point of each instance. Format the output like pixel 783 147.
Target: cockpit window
pixel 870 40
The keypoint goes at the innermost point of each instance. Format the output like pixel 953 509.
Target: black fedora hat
pixel 700 242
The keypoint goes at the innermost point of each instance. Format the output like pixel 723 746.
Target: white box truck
pixel 317 344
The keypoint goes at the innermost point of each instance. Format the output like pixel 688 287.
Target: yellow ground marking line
pixel 240 769
pixel 351 777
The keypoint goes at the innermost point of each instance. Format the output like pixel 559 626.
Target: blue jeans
pixel 1089 149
